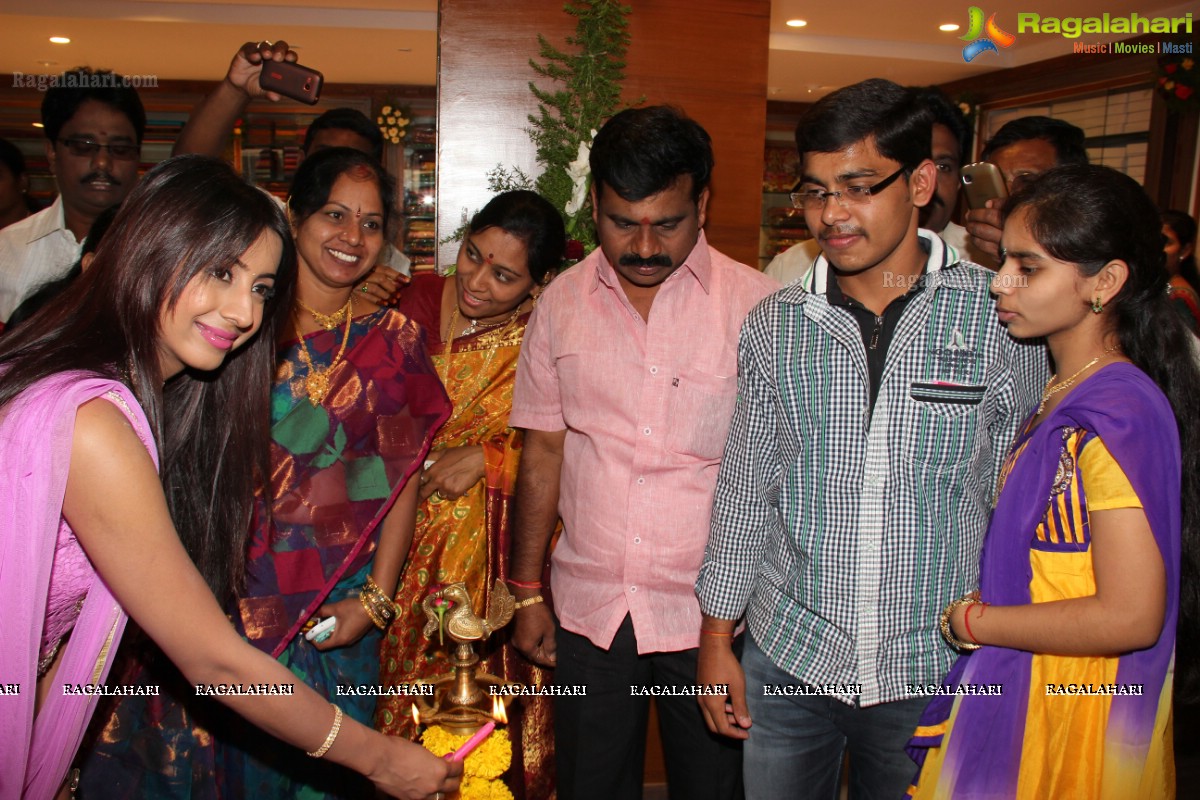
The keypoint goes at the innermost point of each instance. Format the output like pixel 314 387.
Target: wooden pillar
pixel 708 58
pixel 484 49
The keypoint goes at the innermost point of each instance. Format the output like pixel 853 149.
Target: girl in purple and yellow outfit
pixel 1079 590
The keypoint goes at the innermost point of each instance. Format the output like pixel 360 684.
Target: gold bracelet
pixel 529 601
pixel 947 634
pixel 333 732
pixel 380 609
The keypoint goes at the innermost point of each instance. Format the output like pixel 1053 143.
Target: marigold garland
pixel 486 763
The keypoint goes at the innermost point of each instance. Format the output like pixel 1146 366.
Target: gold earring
pixel 1097 306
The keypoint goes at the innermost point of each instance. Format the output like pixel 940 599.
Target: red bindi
pixel 490 256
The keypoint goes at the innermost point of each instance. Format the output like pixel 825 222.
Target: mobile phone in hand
pixel 292 80
pixel 983 181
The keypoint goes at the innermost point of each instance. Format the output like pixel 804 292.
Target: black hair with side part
pixel 346 119
pixel 643 151
pixel 529 217
pixel 901 126
pixel 189 216
pixel 1066 139
pixel 319 172
pixel 63 99
pixel 947 114
pixel 1089 215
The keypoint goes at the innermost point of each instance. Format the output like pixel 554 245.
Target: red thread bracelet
pixel 715 633
pixel 526 584
pixel 967 618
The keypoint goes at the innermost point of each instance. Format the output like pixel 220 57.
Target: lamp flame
pixel 498 712
pixel 416 715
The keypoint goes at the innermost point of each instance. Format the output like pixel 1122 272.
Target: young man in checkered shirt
pixel 876 400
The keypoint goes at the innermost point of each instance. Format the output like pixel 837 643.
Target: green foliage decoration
pixel 588 93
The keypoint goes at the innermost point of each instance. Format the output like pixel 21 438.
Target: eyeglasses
pixel 86 148
pixel 814 199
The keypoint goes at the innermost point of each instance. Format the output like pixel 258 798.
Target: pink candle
pixel 476 740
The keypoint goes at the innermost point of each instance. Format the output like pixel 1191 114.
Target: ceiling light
pixel 949 26
pixel 38 125
pixel 60 40
pixel 796 23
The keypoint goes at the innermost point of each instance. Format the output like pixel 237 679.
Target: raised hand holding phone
pixel 292 80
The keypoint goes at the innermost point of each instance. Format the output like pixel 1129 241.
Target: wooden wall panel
pixel 484 49
pixel 710 59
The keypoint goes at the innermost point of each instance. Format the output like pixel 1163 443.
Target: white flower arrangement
pixel 580 174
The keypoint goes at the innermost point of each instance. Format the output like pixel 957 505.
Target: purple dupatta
pixel 36 431
pixel 1122 406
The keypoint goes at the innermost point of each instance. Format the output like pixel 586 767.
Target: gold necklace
pixel 475 325
pixel 316 383
pixel 484 378
pixel 328 321
pixel 1052 389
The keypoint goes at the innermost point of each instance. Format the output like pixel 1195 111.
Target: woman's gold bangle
pixel 379 607
pixel 944 625
pixel 333 733
pixel 529 601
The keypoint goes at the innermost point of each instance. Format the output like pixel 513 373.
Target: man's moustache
pixel 832 232
pixel 658 260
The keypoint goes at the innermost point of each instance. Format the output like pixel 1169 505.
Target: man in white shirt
pixel 94 122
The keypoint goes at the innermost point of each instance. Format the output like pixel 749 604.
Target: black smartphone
pixel 292 80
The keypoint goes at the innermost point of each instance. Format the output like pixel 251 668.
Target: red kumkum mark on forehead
pixel 645 220
pixel 490 258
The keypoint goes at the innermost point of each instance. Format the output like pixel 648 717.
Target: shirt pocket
pixel 946 418
pixel 701 408
pixel 947 399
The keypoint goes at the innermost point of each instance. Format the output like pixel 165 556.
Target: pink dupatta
pixel 36 431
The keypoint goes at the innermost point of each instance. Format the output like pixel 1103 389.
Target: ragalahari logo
pixel 976 29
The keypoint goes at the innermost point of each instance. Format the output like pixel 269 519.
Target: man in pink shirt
pixel 625 387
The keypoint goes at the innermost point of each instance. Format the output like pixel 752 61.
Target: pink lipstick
pixel 222 340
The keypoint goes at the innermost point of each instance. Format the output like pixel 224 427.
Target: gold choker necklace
pixel 328 321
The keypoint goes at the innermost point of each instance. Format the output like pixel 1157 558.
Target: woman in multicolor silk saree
pixel 1079 592
pixel 474 321
pixel 354 406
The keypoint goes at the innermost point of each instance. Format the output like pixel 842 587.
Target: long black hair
pixel 188 215
pixel 1089 216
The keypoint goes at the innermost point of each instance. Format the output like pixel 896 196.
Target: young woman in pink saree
pixel 161 354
